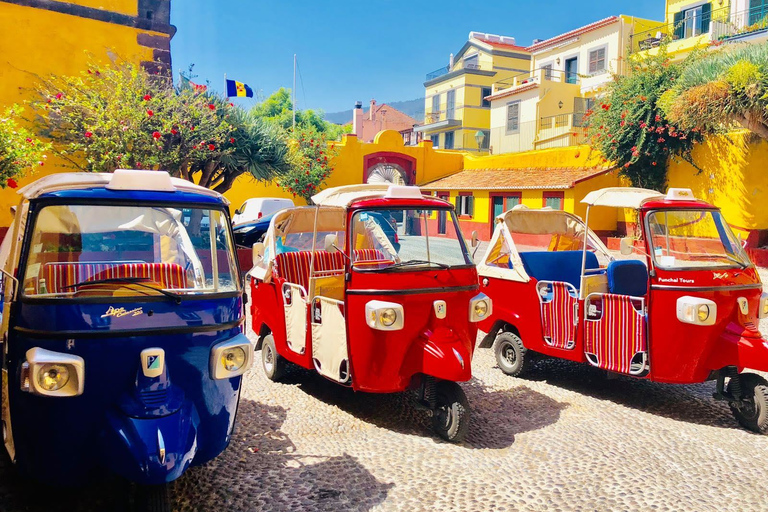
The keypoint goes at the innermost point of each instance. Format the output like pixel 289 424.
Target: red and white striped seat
pixel 559 316
pixel 294 266
pixel 60 275
pixel 616 338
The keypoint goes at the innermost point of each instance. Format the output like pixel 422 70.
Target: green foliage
pixel 724 89
pixel 630 129
pixel 120 116
pixel 20 149
pixel 310 164
pixel 278 109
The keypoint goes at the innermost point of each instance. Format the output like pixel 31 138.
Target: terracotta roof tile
pixel 573 33
pixel 506 46
pixel 517 179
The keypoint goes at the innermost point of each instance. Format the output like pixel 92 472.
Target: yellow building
pixel 545 107
pixel 693 24
pixel 44 37
pixel 457 113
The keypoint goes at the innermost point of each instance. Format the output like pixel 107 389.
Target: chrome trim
pixel 160 447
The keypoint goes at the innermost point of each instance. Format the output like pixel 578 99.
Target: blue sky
pixel 349 51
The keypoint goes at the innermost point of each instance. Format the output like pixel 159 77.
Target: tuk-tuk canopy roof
pixel 621 197
pixel 120 180
pixel 346 195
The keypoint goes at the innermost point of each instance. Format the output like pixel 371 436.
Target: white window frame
pixel 596 49
pixel 551 66
pixel 472 56
pixel 506 124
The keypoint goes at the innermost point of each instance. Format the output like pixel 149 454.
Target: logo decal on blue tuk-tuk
pixel 152 362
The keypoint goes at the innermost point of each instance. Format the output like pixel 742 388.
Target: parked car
pixel 259 207
pixel 248 234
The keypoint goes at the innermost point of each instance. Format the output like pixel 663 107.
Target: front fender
pixel 740 347
pixel 151 451
pixel 444 355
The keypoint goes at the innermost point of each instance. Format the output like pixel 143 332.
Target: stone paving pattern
pixel 567 438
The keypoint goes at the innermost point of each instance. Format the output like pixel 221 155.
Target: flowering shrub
pixel 20 150
pixel 630 129
pixel 310 157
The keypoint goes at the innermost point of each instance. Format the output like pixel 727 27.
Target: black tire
pixel 272 362
pixel 752 412
pixel 511 355
pixel 152 498
pixel 451 415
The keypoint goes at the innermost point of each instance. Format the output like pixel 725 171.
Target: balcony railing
pixel 720 25
pixel 537 76
pixel 444 114
pixel 438 72
pixel 562 130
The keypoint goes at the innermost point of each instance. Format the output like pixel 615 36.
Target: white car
pixel 255 208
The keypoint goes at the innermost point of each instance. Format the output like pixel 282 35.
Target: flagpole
pixel 226 89
pixel 293 91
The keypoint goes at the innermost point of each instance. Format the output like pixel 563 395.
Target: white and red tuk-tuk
pixel 359 289
pixel 680 304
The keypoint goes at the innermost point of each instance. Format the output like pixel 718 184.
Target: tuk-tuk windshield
pixel 109 250
pixel 406 239
pixel 686 239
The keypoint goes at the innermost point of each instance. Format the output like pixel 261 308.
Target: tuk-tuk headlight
pixel 480 308
pixel 384 316
pixel 696 311
pixel 231 358
pixel 51 373
pixel 52 377
pixel 762 311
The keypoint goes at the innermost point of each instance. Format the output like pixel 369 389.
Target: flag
pixel 186 82
pixel 235 89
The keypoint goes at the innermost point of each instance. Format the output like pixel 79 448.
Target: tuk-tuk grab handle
pixel 15 283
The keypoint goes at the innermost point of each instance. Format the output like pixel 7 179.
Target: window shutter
pixel 471 206
pixel 706 17
pixel 679 25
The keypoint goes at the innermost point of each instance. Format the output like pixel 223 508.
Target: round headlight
pixel 481 308
pixel 233 359
pixel 703 312
pixel 388 317
pixel 765 307
pixel 52 377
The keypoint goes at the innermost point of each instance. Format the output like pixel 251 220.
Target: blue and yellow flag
pixel 235 89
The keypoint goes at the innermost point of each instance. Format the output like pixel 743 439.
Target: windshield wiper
pixel 138 281
pixel 735 260
pixel 415 262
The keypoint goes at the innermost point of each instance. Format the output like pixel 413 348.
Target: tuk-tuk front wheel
pixel 510 353
pixel 450 418
pixel 272 362
pixel 752 410
pixel 152 498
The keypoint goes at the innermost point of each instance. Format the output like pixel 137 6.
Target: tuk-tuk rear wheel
pixel 451 415
pixel 510 353
pixel 752 410
pixel 152 498
pixel 272 362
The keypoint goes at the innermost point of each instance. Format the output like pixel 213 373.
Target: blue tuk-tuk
pixel 122 337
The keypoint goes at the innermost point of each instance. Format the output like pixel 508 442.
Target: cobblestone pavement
pixel 565 439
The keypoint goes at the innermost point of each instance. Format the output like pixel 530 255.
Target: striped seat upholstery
pixel 617 336
pixel 369 255
pixel 558 316
pixel 60 275
pixel 294 266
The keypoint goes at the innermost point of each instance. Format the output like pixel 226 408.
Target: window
pixel 435 140
pixel 435 108
pixel 513 117
pixel 487 91
pixel 572 70
pixel 554 200
pixel 503 202
pixel 758 10
pixel 465 204
pixel 472 61
pixel 597 60
pixel 450 104
pixel 693 22
pixel 448 144
pixel 547 68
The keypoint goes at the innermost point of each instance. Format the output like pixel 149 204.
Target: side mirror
pixel 626 246
pixel 257 252
pixel 330 242
pixel 238 212
pixel 475 239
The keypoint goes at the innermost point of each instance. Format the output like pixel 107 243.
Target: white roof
pixel 348 194
pixel 621 197
pixel 81 180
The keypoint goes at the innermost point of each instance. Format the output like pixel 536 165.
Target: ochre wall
pixel 130 7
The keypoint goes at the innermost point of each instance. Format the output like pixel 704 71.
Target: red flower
pixel 653 163
pixel 622 123
pixel 49 100
pixel 577 155
pixel 212 106
pixel 660 140
pixel 626 165
pixel 192 128
pixel 643 125
pixel 658 119
pixel 29 140
pixel 232 140
pixel 59 96
pixel 88 135
pixel 41 163
pixel 90 72
pixel 150 113
pixel 147 97
pixel 11 183
pixel 211 147
pixel 157 135
pixel 174 131
pixel 231 104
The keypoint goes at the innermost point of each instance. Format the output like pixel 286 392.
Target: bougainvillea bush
pixel 629 128
pixel 20 149
pixel 121 116
pixel 310 157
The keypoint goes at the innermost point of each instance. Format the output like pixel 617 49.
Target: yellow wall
pixel 38 42
pixel 130 7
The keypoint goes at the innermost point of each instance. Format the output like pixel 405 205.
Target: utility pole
pixel 293 93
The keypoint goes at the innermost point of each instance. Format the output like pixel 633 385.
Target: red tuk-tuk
pixel 364 289
pixel 680 306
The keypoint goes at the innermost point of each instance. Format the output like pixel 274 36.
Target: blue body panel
pixel 139 196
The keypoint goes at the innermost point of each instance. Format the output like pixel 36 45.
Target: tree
pixel 310 164
pixel 120 116
pixel 722 90
pixel 630 129
pixel 20 149
pixel 278 109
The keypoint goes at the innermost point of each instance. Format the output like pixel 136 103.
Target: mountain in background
pixel 413 108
